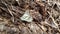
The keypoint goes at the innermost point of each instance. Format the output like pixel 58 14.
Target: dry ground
pixel 45 15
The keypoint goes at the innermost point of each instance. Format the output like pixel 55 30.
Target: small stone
pixel 26 17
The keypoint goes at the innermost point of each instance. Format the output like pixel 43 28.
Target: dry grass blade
pixel 38 16
pixel 10 12
pixel 53 20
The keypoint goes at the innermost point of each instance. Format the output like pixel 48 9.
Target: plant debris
pixel 29 16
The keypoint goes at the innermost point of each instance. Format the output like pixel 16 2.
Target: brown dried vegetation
pixel 45 14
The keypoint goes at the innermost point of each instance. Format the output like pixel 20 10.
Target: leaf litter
pixel 30 16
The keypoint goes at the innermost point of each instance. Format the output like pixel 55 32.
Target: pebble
pixel 26 17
